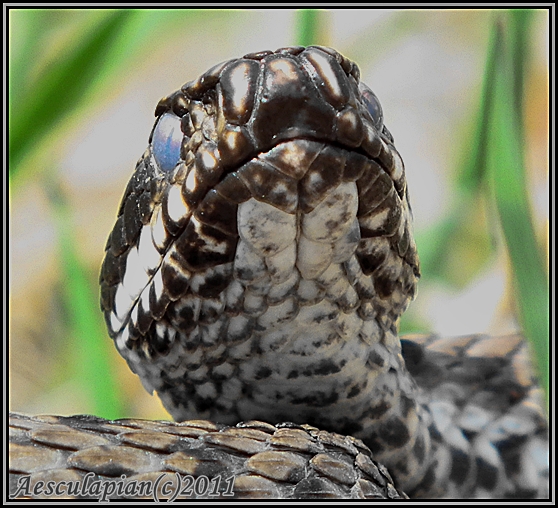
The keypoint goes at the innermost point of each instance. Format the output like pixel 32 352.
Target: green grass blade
pixel 435 244
pixel 520 22
pixel 62 87
pixel 495 160
pixel 307 25
pixel 89 351
pixel 504 160
pixel 26 37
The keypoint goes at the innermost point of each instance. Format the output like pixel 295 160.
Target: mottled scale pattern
pixel 262 256
pixel 253 460
pixel 487 412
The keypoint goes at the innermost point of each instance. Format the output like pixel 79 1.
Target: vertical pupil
pixel 166 142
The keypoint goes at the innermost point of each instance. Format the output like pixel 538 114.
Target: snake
pixel 255 277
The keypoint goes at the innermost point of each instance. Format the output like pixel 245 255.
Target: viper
pixel 261 259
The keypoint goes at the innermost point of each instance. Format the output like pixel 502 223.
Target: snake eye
pixel 372 103
pixel 166 141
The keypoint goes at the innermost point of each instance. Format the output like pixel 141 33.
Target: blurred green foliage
pixel 504 162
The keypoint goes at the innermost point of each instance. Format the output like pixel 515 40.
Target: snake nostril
pixel 166 142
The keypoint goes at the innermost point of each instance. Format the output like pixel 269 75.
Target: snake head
pixel 267 223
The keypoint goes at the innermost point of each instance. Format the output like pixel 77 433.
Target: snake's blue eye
pixel 372 104
pixel 166 142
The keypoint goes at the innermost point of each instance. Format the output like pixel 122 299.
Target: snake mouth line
pixel 118 324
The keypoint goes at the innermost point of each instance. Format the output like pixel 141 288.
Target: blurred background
pixel 83 88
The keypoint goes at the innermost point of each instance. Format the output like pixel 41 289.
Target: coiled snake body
pixel 261 259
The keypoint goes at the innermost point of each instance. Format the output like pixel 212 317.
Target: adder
pixel 260 262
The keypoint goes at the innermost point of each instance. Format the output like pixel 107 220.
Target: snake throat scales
pixel 260 262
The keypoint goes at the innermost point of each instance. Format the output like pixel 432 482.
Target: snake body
pixel 253 460
pixel 260 262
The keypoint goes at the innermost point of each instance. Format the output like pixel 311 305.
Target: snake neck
pixel 315 355
pixel 308 348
